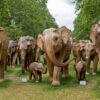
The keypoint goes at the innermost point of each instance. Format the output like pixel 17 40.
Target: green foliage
pixel 25 17
pixel 87 14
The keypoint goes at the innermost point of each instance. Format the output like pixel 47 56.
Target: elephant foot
pixel 1 80
pixel 87 73
pixel 65 75
pixel 50 79
pixel 93 73
pixel 37 81
pixel 23 71
pixel 13 66
pixel 55 83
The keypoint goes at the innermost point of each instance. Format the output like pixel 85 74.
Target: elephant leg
pixel 10 60
pixel 2 68
pixel 26 64
pixel 87 67
pixel 30 76
pixel 40 77
pixel 35 76
pixel 23 66
pixel 14 59
pixel 76 76
pixel 51 68
pixel 65 72
pixel 83 76
pixel 5 65
pixel 95 64
pixel 78 59
pixel 56 74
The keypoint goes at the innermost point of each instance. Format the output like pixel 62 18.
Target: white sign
pixel 82 82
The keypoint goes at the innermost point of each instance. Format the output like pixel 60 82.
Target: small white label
pixel 82 82
pixel 24 80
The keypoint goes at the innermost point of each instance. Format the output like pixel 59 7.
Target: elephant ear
pixel 65 34
pixel 93 33
pixel 40 41
pixel 22 43
pixel 33 44
pixel 82 45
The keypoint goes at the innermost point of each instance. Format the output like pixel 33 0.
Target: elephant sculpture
pixel 27 46
pixel 36 70
pixel 13 52
pixel 89 54
pixel 56 43
pixel 95 37
pixel 80 69
pixel 3 52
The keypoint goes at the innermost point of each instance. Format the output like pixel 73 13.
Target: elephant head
pixel 12 47
pixel 95 37
pixel 89 49
pixel 41 68
pixel 53 42
pixel 26 42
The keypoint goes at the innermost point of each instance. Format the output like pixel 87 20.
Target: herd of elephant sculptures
pixel 56 47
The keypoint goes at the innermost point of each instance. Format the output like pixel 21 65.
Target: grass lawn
pixel 69 89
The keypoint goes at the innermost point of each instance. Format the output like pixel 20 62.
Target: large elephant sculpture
pixel 3 52
pixel 27 46
pixel 13 52
pixel 95 37
pixel 57 46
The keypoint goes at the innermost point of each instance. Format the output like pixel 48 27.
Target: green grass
pixel 69 89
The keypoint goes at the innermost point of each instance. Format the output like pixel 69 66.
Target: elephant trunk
pixel 23 54
pixel 38 53
pixel 99 56
pixel 78 75
pixel 44 71
pixel 0 51
pixel 53 59
pixel 0 55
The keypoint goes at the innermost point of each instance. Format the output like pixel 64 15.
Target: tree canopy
pixel 25 17
pixel 87 14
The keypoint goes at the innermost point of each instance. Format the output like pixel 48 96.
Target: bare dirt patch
pixel 12 78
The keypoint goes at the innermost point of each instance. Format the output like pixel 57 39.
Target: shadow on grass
pixel 5 84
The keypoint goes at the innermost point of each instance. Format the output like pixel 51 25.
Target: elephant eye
pixel 56 38
pixel 92 50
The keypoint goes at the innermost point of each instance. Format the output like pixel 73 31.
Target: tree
pixel 87 14
pixel 25 17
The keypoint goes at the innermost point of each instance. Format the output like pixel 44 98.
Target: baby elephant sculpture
pixel 80 68
pixel 36 69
